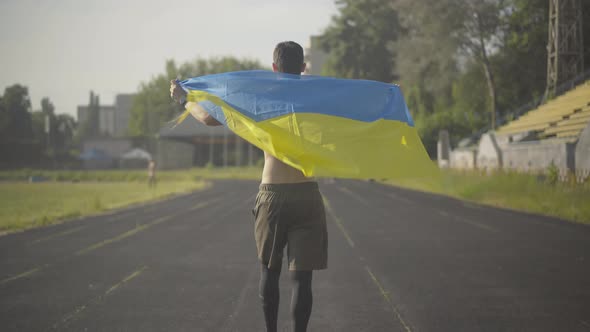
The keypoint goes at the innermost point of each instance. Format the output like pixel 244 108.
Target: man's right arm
pixel 177 93
pixel 201 114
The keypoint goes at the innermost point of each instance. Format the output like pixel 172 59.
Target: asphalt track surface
pixel 398 261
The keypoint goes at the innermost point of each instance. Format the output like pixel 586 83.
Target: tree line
pixel 33 138
pixel 461 64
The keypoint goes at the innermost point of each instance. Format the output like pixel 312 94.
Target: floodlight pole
pixel 565 46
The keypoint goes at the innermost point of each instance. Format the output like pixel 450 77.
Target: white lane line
pixel 476 224
pixel 78 310
pixel 239 303
pixel 338 222
pixel 400 198
pixel 141 228
pixel 468 221
pixel 353 194
pixel 24 274
pixel 202 205
pixel 376 282
pixel 129 277
pixel 129 233
pixel 124 235
pixel 387 299
pixel 60 234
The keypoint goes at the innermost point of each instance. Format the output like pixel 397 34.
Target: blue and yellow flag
pixel 320 125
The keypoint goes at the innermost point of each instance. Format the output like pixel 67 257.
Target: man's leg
pixel 269 294
pixel 301 299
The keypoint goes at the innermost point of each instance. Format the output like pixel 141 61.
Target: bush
pixel 552 174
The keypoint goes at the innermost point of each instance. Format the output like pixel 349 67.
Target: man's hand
pixel 177 93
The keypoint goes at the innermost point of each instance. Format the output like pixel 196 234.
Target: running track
pixel 399 260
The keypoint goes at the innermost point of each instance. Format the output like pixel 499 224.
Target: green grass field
pixel 67 194
pixel 134 175
pixel 516 191
pixel 27 205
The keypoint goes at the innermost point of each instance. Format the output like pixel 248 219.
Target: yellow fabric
pixel 331 146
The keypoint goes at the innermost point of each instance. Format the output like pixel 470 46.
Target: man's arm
pixel 200 114
pixel 179 95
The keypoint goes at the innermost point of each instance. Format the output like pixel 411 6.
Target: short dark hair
pixel 288 56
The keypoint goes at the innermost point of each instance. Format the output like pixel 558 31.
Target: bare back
pixel 276 171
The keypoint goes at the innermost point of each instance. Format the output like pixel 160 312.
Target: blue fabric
pixel 263 95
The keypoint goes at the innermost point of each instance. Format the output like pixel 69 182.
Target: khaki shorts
pixel 291 215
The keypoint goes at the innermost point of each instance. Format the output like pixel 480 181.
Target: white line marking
pixel 338 222
pixel 239 303
pixel 60 234
pixel 467 221
pixel 399 198
pixel 24 274
pixel 78 310
pixel 353 194
pixel 385 295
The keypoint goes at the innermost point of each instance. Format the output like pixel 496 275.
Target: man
pixel 151 173
pixel 289 211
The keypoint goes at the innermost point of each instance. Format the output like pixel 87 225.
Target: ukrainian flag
pixel 320 125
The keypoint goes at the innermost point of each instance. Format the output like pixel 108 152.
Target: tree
pixel 16 117
pixel 65 127
pixel 481 31
pixel 152 106
pixel 520 77
pixel 446 33
pixel 359 40
pixel 61 127
pixel 90 127
pixel 427 51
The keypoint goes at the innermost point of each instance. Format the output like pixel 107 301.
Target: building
pixel 315 57
pixel 123 104
pixel 193 144
pixel 113 119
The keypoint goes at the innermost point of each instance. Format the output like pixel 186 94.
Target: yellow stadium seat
pixel 563 116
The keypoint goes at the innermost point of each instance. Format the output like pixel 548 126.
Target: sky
pixel 62 49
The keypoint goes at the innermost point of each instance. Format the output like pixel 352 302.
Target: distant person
pixel 289 211
pixel 151 174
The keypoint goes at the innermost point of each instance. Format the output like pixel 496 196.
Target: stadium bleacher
pixel 563 117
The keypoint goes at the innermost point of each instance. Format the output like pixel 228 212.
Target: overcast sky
pixel 62 49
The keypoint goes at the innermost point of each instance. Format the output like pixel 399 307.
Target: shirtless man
pixel 289 211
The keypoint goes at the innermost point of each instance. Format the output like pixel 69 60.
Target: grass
pixel 28 205
pixel 67 194
pixel 511 190
pixel 134 175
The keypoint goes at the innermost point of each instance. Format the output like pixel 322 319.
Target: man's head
pixel 288 58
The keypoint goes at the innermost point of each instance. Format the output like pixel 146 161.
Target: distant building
pixel 113 119
pixel 315 57
pixel 123 104
pixel 193 144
